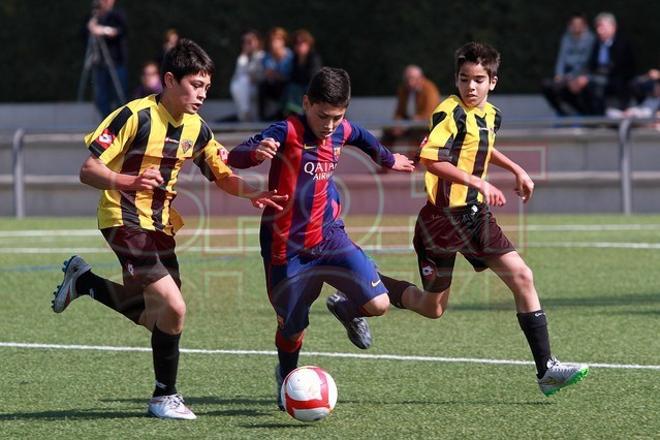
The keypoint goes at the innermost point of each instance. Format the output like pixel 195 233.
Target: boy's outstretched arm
pixel 447 171
pixel 236 186
pixel 368 143
pixel 524 183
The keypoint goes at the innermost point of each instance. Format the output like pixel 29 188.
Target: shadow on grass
pixel 74 414
pixel 206 400
pixel 448 402
pixel 196 402
pixel 293 425
pixel 554 303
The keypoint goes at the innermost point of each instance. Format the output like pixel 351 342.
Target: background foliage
pixel 43 47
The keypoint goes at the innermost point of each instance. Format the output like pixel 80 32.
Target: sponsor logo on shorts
pixel 427 271
pixel 130 269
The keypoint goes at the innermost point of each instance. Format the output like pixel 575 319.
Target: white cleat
pixel 170 407
pixel 66 292
pixel 559 375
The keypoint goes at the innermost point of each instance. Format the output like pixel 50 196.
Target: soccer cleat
pixel 278 380
pixel 559 375
pixel 170 407
pixel 66 292
pixel 356 328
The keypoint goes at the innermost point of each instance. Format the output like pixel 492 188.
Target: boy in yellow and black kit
pixel 136 155
pixel 456 218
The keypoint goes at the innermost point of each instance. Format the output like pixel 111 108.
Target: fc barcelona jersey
pixel 303 169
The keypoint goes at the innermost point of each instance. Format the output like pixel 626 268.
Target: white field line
pixel 237 250
pixel 10 249
pixel 355 229
pixel 392 357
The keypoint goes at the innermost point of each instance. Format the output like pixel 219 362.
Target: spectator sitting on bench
pixel 611 68
pixel 417 97
pixel 574 51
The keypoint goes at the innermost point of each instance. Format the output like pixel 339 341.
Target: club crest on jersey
pixel 337 151
pixel 186 144
pixel 105 139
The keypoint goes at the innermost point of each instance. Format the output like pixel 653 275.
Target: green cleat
pixel 559 375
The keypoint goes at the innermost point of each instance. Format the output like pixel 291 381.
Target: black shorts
pixel 145 256
pixel 441 233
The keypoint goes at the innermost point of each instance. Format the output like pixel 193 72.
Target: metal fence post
pixel 18 171
pixel 625 166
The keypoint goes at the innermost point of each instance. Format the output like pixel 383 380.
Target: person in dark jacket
pixel 611 68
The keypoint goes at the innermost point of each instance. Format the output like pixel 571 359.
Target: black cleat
pixel 357 329
pixel 66 292
pixel 278 380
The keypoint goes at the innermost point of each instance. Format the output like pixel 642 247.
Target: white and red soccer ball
pixel 309 394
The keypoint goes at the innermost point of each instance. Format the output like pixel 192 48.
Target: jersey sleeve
pixel 243 155
pixel 443 131
pixel 367 142
pixel 210 156
pixel 114 133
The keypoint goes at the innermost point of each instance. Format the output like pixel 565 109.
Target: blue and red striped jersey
pixel 303 170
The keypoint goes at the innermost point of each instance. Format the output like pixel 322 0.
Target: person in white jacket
pixel 247 75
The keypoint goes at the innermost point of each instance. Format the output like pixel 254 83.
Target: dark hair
pixel 581 15
pixel 478 53
pixel 255 33
pixel 186 58
pixel 330 85
pixel 303 35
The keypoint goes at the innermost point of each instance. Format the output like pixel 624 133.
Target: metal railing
pixel 624 129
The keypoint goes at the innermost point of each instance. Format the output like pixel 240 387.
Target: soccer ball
pixel 309 394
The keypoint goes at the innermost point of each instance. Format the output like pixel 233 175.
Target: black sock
pixel 165 352
pixel 395 289
pixel 129 301
pixel 287 353
pixel 288 361
pixel 535 327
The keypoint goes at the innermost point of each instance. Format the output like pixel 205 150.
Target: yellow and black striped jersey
pixel 140 135
pixel 465 137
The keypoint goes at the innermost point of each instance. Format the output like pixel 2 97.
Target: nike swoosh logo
pixel 309 147
pixel 375 283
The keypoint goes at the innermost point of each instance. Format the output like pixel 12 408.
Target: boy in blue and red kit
pixel 306 244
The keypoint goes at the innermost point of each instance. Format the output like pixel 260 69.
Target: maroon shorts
pixel 145 256
pixel 441 233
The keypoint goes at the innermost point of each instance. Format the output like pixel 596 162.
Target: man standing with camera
pixel 107 36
